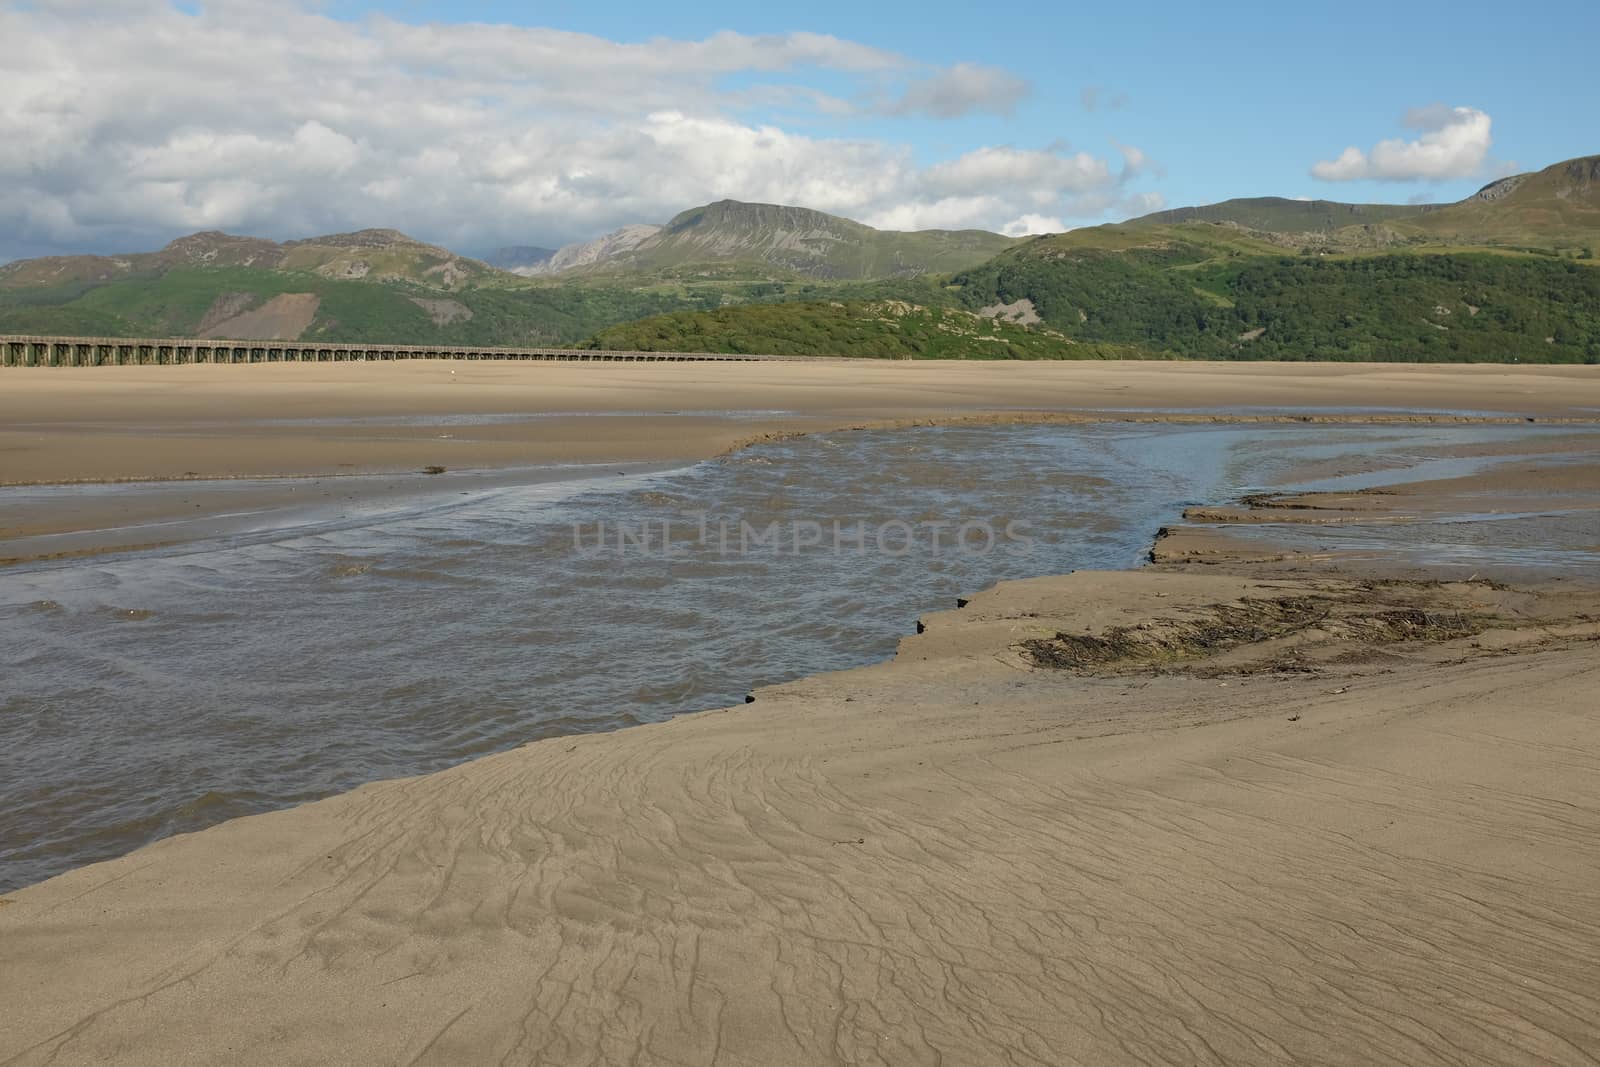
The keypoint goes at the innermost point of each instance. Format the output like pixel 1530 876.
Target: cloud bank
pixel 126 124
pixel 1453 143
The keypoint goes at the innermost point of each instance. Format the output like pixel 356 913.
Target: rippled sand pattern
pixel 870 868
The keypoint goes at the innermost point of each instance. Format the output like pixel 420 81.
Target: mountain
pixel 1558 207
pixel 1508 273
pixel 1200 290
pixel 381 285
pixel 518 257
pixel 372 285
pixel 593 253
pixel 246 303
pixel 1275 214
pixel 1193 290
pixel 1307 226
pixel 375 255
pixel 730 238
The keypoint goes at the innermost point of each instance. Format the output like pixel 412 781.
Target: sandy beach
pixel 319 424
pixel 1250 804
pixel 118 423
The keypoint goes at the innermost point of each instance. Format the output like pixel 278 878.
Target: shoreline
pixel 1206 535
pixel 205 430
pixel 120 423
pixel 1550 497
pixel 1330 809
pixel 100 526
pixel 1136 547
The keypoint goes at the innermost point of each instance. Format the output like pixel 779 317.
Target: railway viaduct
pixel 31 351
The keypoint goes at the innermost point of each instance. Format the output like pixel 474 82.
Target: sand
pixel 958 856
pixel 109 423
pixel 1545 499
pixel 193 424
pixel 1199 813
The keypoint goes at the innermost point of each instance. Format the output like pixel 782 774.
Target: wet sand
pixel 1544 501
pixel 117 423
pixel 1236 813
pixel 196 424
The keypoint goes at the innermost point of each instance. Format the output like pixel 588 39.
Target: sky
pixel 126 123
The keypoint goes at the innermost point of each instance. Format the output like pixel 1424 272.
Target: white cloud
pixel 126 128
pixel 1453 143
pixel 1012 190
pixel 1027 225
pixel 964 89
pixel 1136 163
pixel 1044 175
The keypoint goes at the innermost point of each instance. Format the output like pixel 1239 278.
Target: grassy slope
pixel 174 303
pixel 1278 215
pixel 1192 290
pixel 1555 209
pixel 1197 290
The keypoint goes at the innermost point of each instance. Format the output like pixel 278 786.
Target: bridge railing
pixel 23 350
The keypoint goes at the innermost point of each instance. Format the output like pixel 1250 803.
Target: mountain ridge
pixel 1277 214
pixel 580 254
pixel 1558 206
pixel 382 254
pixel 783 240
pixel 1507 273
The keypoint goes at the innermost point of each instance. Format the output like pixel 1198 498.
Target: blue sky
pixel 1232 99
pixel 475 124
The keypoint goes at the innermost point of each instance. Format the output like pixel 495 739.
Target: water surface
pixel 150 693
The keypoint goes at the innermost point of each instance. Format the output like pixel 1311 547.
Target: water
pixel 151 693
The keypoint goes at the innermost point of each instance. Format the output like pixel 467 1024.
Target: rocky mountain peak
pixel 371 238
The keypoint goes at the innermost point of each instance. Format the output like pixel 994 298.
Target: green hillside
pixel 380 285
pixel 1557 208
pixel 1509 274
pixel 1275 214
pixel 1183 299
pixel 182 302
pixel 884 329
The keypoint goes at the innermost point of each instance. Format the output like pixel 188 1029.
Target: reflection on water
pixel 157 692
pixel 1555 542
